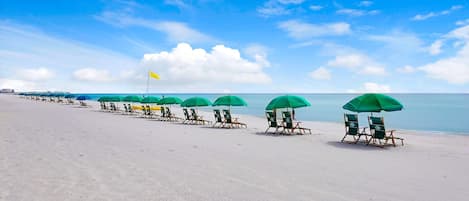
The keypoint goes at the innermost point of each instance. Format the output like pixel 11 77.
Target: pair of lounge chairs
pixel 193 117
pixel 113 107
pixel 377 133
pixel 147 112
pixel 103 106
pixel 226 121
pixel 83 104
pixel 287 125
pixel 167 115
pixel 128 109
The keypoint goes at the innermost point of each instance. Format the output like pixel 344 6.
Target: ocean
pixel 448 113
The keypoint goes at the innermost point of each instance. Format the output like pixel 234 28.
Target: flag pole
pixel 148 81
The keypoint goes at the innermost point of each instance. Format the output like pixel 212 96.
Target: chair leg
pixel 358 139
pixel 343 138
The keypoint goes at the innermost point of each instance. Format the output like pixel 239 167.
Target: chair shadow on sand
pixel 359 146
pixel 280 134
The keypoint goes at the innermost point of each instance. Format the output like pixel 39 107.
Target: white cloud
pixel 398 47
pixel 178 3
pixel 321 73
pixel 24 46
pixel 462 22
pixel 175 31
pixel 358 63
pixel 17 85
pixel 377 88
pixel 461 33
pixel 316 7
pixel 365 3
pixel 35 74
pixel 356 12
pixel 302 30
pixel 435 48
pixel 348 61
pixel 91 74
pixel 180 32
pixel 370 87
pixel 278 7
pixel 373 70
pixel 273 8
pixel 291 1
pixel 421 17
pixel 454 69
pixel 406 69
pixel 258 53
pixel 185 65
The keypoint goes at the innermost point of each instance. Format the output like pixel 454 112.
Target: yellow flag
pixel 154 75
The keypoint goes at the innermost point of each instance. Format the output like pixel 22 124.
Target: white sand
pixel 60 152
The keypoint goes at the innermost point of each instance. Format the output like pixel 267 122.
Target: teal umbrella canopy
pixel 196 102
pixel 373 103
pixel 132 98
pixel 150 99
pixel 114 99
pixel 229 101
pixel 69 96
pixel 103 99
pixel 83 97
pixel 287 101
pixel 170 101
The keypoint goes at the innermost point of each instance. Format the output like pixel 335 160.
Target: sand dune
pixel 60 152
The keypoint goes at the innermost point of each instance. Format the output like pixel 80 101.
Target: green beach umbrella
pixel 169 101
pixel 103 99
pixel 196 102
pixel 150 99
pixel 287 101
pixel 229 101
pixel 373 103
pixel 132 98
pixel 114 99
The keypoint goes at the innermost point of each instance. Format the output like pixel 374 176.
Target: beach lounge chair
pixel 352 128
pixel 170 116
pixel 113 107
pixel 163 116
pixel 125 108
pixel 232 121
pixel 131 109
pixel 272 121
pixel 218 119
pixel 83 104
pixel 143 108
pixel 150 112
pixel 378 132
pixel 187 117
pixel 197 118
pixel 289 126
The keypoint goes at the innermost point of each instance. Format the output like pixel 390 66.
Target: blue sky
pixel 235 46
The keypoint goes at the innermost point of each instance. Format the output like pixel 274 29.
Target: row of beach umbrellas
pixel 190 102
pixel 371 102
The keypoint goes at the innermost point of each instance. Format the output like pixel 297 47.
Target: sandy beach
pixel 54 152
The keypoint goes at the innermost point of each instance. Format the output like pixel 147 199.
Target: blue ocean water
pixel 428 112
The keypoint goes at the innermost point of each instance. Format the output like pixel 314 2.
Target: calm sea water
pixel 429 112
